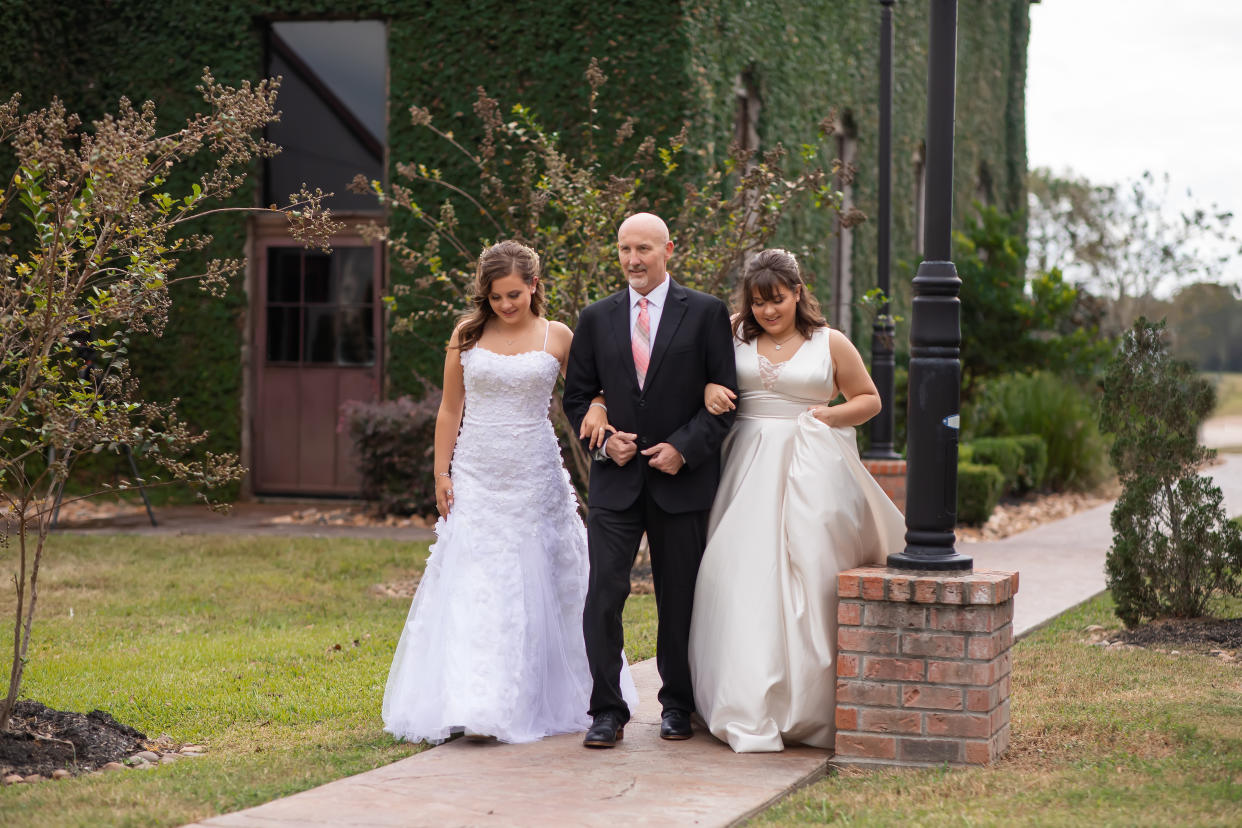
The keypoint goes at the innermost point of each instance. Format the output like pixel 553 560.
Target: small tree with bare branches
pixel 94 268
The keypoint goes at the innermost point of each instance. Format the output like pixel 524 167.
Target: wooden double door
pixel 318 339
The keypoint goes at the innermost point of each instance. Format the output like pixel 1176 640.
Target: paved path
pixel 649 782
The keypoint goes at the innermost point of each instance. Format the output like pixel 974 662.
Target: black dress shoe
pixel 606 730
pixel 675 725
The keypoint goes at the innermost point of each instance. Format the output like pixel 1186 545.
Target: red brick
pixel 894 615
pixel 848 584
pixel 968 619
pixel 979 753
pixel 960 725
pixel 874 693
pixel 931 696
pixel 1001 666
pixel 873 587
pixel 930 750
pixel 985 647
pixel 1013 584
pixel 891 721
pixel 863 639
pixel 982 591
pixel 932 644
pixel 849 612
pixel 982 701
pixel 866 746
pixel 900 669
pixel 958 672
pixel 999 717
pixel 952 592
pixel 847 665
pixel 847 718
pixel 925 591
pixel 900 588
pixel 1004 612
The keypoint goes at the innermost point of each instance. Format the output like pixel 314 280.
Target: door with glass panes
pixel 317 331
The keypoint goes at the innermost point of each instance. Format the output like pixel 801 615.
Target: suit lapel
pixel 619 316
pixel 670 320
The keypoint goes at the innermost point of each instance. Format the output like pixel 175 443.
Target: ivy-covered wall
pixel 809 58
pixel 666 61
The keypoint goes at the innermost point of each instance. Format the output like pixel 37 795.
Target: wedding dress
pixel 795 507
pixel 493 641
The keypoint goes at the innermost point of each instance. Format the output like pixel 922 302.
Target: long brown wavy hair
pixel 769 272
pixel 504 258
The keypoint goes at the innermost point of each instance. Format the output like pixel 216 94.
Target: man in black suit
pixel 651 349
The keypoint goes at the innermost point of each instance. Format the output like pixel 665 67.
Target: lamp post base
pixel 931 560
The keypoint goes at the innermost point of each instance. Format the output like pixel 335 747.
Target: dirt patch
pixel 352 516
pixel 42 740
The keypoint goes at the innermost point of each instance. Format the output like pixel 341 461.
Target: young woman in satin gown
pixel 493 643
pixel 795 507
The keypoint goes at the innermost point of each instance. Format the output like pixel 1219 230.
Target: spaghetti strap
pixel 547 328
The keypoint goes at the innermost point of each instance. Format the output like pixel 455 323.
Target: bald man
pixel 650 349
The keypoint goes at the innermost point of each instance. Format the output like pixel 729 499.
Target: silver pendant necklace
pixel 779 345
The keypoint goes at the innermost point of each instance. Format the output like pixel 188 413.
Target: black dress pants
pixel 676 542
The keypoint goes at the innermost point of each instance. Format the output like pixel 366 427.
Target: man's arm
pixel 700 439
pixel 582 380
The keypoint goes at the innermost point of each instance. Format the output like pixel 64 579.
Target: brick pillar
pixel 923 667
pixel 891 475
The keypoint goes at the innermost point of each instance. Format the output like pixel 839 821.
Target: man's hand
pixel 664 458
pixel 621 447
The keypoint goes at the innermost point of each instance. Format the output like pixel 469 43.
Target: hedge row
pixel 990 467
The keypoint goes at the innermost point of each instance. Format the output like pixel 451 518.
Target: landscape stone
pixel 148 755
pixel 113 766
pixel 61 773
pixel 12 779
pixel 34 777
pixel 192 749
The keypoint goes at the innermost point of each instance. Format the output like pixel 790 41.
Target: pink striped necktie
pixel 640 343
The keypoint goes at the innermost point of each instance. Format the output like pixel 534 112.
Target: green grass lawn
pixel 1228 394
pixel 227 642
pixel 1131 737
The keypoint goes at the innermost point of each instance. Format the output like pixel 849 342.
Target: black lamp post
pixel 935 331
pixel 882 365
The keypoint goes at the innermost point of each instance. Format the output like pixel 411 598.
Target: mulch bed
pixel 42 740
pixel 1199 635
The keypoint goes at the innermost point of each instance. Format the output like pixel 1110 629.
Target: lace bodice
pixel 508 389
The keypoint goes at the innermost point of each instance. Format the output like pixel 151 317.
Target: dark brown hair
pixel 769 272
pixel 504 258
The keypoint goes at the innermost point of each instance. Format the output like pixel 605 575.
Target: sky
pixel 1115 87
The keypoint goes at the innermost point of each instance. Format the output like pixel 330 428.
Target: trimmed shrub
pixel 1060 412
pixel 395 443
pixel 978 489
pixel 1034 461
pixel 1002 452
pixel 1172 544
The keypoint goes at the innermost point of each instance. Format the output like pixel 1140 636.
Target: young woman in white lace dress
pixel 493 642
pixel 795 506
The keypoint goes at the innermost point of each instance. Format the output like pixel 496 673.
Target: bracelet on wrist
pixel 443 474
pixel 598 405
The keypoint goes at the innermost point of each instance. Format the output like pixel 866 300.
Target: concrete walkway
pixel 649 782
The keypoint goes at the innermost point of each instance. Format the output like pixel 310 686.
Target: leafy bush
pixel 395 442
pixel 1172 544
pixel 978 489
pixel 1003 453
pixel 1034 461
pixel 1059 412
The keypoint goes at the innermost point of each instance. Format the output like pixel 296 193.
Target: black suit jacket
pixel 693 346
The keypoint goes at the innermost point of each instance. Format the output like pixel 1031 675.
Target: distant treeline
pixel 1205 325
